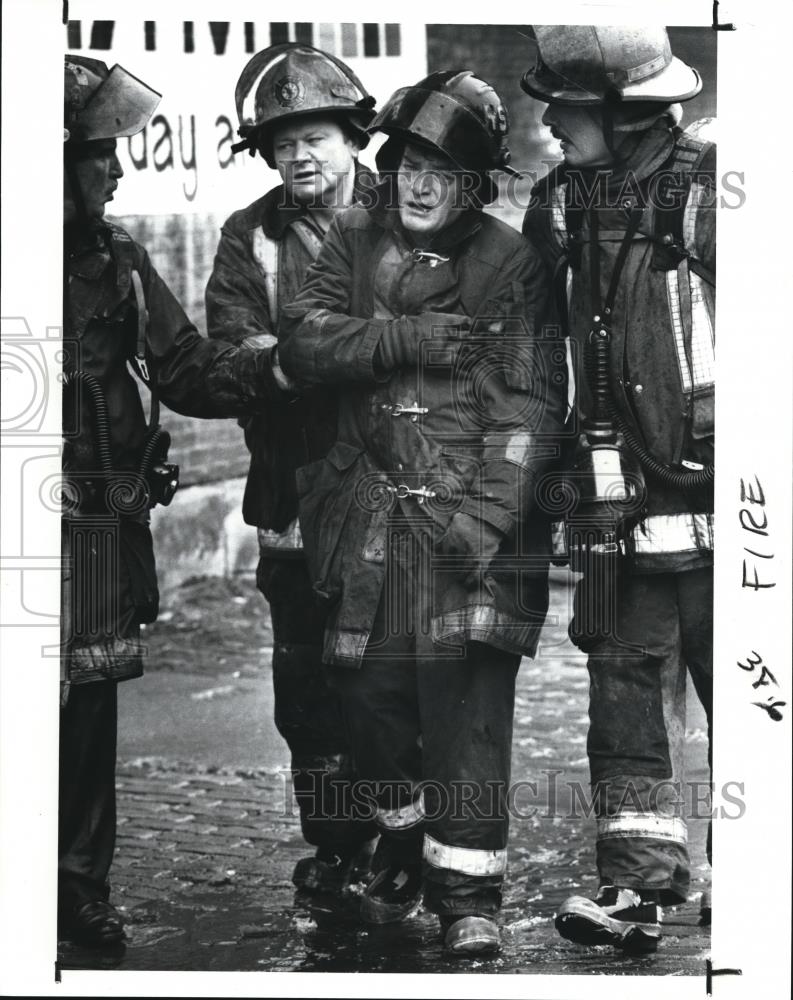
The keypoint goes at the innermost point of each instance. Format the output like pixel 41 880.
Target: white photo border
pixel 752 856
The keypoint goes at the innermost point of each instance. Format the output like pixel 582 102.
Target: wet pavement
pixel 208 834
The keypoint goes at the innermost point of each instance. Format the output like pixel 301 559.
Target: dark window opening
pixel 102 34
pixel 74 35
pixel 304 32
pixel 250 39
pixel 189 38
pixel 279 32
pixel 220 34
pixel 371 40
pixel 150 35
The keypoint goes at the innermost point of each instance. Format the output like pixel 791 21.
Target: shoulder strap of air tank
pixel 693 161
pixel 125 254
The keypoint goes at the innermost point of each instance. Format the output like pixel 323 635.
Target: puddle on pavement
pixel 195 933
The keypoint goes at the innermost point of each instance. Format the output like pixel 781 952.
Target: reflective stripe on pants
pixel 632 824
pixel 467 860
pixel 637 713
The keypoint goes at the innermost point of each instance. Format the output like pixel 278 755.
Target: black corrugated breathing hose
pixel 666 474
pixel 101 419
pixel 157 436
pixel 606 410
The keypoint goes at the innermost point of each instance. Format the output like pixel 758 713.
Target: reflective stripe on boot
pixel 617 917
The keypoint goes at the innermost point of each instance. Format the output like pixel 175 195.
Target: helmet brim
pixel 675 83
pixel 390 154
pixel 292 80
pixel 438 120
pixel 354 120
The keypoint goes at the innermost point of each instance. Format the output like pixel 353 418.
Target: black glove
pixel 399 343
pixel 476 543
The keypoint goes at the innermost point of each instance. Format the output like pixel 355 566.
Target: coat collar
pixel 86 251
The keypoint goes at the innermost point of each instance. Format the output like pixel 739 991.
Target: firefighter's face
pixel 315 159
pixel 430 190
pixel 580 134
pixel 98 172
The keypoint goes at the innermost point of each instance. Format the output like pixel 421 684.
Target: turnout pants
pixel 431 732
pixel 307 712
pixel 87 793
pixel 637 711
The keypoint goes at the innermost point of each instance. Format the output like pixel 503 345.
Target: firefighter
pixel 426 314
pixel 627 222
pixel 115 467
pixel 304 112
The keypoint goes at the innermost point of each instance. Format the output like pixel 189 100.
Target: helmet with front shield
pixel 100 105
pixel 455 113
pixel 103 104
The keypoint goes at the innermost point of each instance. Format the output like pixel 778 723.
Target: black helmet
pixel 103 104
pixel 455 112
pixel 290 80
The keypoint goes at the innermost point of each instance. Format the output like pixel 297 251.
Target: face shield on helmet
pixel 452 112
pixel 99 106
pixel 293 80
pixel 102 104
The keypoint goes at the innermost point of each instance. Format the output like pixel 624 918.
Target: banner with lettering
pixel 182 161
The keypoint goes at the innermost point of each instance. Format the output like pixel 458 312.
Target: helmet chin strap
pixel 615 136
pixel 611 101
pixel 81 221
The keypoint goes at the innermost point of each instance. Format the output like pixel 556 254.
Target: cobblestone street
pixel 208 834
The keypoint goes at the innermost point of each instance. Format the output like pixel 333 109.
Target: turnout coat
pixel 470 428
pixel 662 355
pixel 110 582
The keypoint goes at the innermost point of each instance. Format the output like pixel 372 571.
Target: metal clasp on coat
pixel 397 409
pixel 428 257
pixel 421 494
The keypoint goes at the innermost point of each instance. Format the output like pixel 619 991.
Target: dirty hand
pixel 475 542
pixel 399 342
